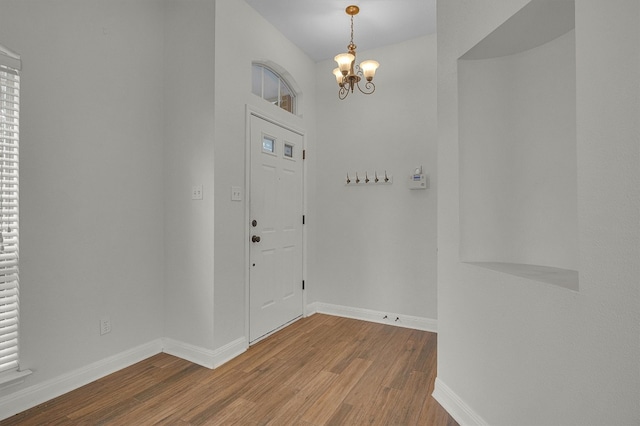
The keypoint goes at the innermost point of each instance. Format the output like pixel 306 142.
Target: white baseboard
pixel 205 357
pixel 400 320
pixel 31 396
pixel 229 351
pixel 455 406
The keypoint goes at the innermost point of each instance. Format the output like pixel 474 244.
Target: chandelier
pixel 348 74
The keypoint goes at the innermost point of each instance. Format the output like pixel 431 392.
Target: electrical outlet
pixel 196 192
pixel 105 325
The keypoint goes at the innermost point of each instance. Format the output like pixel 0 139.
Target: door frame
pixel 253 111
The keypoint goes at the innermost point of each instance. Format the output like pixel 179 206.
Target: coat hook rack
pixel 377 180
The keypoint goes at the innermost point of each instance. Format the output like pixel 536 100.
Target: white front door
pixel 275 209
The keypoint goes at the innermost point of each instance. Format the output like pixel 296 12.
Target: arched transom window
pixel 270 86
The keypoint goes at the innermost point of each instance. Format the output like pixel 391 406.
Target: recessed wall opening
pixel 517 147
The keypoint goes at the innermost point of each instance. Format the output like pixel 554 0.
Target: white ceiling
pixel 321 28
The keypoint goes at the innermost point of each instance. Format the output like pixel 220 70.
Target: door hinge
pixel 303 219
pixel 304 154
pixel 303 284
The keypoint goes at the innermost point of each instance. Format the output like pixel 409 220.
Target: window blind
pixel 9 136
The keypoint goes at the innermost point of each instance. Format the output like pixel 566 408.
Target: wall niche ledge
pixel 564 278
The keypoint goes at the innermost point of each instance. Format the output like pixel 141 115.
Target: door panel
pixel 275 276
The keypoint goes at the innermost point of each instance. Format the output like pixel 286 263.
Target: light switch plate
pixel 236 193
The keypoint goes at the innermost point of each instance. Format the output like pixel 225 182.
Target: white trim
pixel 202 356
pixel 407 321
pixel 455 406
pixel 10 58
pixel 251 110
pixel 248 111
pixel 13 377
pixel 311 309
pixel 287 78
pixel 31 396
pixel 229 351
pixel 8 52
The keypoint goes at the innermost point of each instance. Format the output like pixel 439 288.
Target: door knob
pixel 255 239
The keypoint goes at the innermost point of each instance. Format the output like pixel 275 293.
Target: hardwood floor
pixel 321 370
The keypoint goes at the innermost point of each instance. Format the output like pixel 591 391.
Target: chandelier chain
pixel 351 29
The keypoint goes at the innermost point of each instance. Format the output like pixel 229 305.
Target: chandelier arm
pixel 369 88
pixel 343 92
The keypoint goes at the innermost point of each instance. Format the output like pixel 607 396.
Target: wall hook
pixel 375 180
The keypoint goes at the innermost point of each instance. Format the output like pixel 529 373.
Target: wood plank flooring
pixel 321 370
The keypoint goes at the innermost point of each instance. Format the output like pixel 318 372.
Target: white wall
pixel 209 63
pixel 91 179
pixel 189 135
pixel 518 157
pixel 376 246
pixel 516 351
pixel 235 50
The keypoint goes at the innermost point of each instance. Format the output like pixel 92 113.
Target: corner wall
pixel 234 52
pixel 376 244
pixel 208 63
pixel 189 135
pixel 91 190
pixel 516 351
